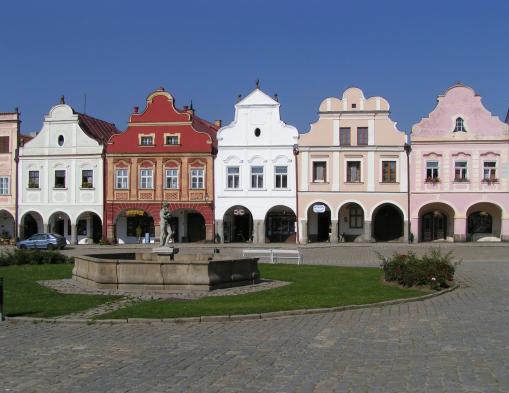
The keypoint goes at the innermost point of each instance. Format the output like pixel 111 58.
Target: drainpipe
pixel 408 149
pixel 295 154
pixel 16 160
pixel 105 193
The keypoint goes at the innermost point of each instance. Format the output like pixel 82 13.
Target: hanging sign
pixel 239 212
pixel 319 208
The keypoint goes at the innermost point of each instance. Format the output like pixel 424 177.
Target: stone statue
pixel 166 232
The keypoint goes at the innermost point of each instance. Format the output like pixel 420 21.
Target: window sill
pixel 60 188
pixel 320 182
pixel 461 181
pixel 197 189
pixel 146 145
pixel 353 182
pixel 257 189
pixel 121 189
pixel 171 189
pixel 172 144
pixel 87 188
pixel 233 189
pixel 281 189
pixel 146 189
pixel 389 182
pixel 33 188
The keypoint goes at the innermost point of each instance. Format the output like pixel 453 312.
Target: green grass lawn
pixel 312 287
pixel 24 297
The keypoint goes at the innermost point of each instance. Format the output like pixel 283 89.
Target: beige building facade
pixel 353 173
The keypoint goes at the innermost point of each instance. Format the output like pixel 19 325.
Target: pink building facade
pixel 459 170
pixel 9 136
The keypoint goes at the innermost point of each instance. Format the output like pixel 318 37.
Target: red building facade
pixel 165 154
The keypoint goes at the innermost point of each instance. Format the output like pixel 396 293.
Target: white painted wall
pixel 239 146
pixel 79 152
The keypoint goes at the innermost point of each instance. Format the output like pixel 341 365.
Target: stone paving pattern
pixel 458 342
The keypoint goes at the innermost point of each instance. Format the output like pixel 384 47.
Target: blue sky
pixel 117 52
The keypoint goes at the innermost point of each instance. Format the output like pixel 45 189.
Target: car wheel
pixel 51 247
pixel 23 247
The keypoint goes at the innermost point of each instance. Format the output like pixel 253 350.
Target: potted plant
pixel 433 180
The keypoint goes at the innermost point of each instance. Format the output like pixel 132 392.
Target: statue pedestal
pixel 165 252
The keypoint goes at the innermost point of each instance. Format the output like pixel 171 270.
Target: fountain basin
pixel 153 272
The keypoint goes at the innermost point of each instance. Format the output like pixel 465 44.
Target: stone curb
pixel 238 317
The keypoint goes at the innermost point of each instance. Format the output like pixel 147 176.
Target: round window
pixel 257 132
pixel 60 140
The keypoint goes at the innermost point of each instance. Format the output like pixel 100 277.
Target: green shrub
pixel 435 270
pixel 32 257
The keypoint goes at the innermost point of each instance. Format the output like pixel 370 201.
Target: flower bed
pixel 435 269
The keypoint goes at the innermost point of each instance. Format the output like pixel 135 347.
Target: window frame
pixel 435 171
pixel 258 177
pixel 492 171
pixel 393 175
pixel 145 177
pixel 55 179
pixel 459 125
pixel 142 136
pixel 463 170
pixel 314 164
pixel 354 213
pixel 202 176
pixel 345 133
pixel 177 136
pixel 91 182
pixel 233 176
pixel 126 177
pixel 281 176
pixel 175 177
pixel 365 138
pixel 348 177
pixel 38 185
pixel 7 189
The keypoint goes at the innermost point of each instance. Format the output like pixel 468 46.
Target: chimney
pixel 136 109
pixel 218 123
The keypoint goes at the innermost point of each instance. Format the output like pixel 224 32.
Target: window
pixel 281 173
pixel 460 171
pixel 319 171
pixel 4 144
pixel 4 185
pixel 171 140
pixel 460 125
pixel 353 171
pixel 87 178
pixel 490 171
pixel 60 179
pixel 257 132
pixel 33 179
pixel 356 217
pixel 388 171
pixel 122 181
pixel 432 171
pixel 344 136
pixel 362 136
pixel 146 140
pixel 172 179
pixel 233 177
pixel 146 178
pixel 197 178
pixel 257 177
pixel 60 140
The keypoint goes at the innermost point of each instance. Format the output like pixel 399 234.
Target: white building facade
pixel 255 185
pixel 61 176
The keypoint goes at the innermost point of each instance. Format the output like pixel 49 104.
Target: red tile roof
pixel 97 129
pixel 202 125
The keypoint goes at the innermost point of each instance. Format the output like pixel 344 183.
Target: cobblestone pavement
pixel 458 342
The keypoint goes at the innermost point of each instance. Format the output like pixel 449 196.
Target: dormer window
pixel 171 140
pixel 146 140
pixel 460 125
pixel 354 106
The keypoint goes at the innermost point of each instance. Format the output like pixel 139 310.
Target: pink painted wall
pixel 486 139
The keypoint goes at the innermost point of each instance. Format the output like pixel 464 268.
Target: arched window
pixel 460 125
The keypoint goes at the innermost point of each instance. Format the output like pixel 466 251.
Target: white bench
pixel 273 254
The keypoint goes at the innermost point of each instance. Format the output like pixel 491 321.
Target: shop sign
pixel 134 212
pixel 319 208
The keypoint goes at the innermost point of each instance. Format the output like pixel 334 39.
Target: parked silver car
pixel 48 241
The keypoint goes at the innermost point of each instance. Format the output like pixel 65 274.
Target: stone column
pixel 257 231
pixel 303 234
pixel 74 234
pixel 405 231
pixel 334 231
pixel 460 229
pixel 45 227
pixel 209 232
pixel 367 232
pixel 110 232
pixel 20 231
pixel 157 233
pixel 90 228
pixel 504 234
pixel 220 230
